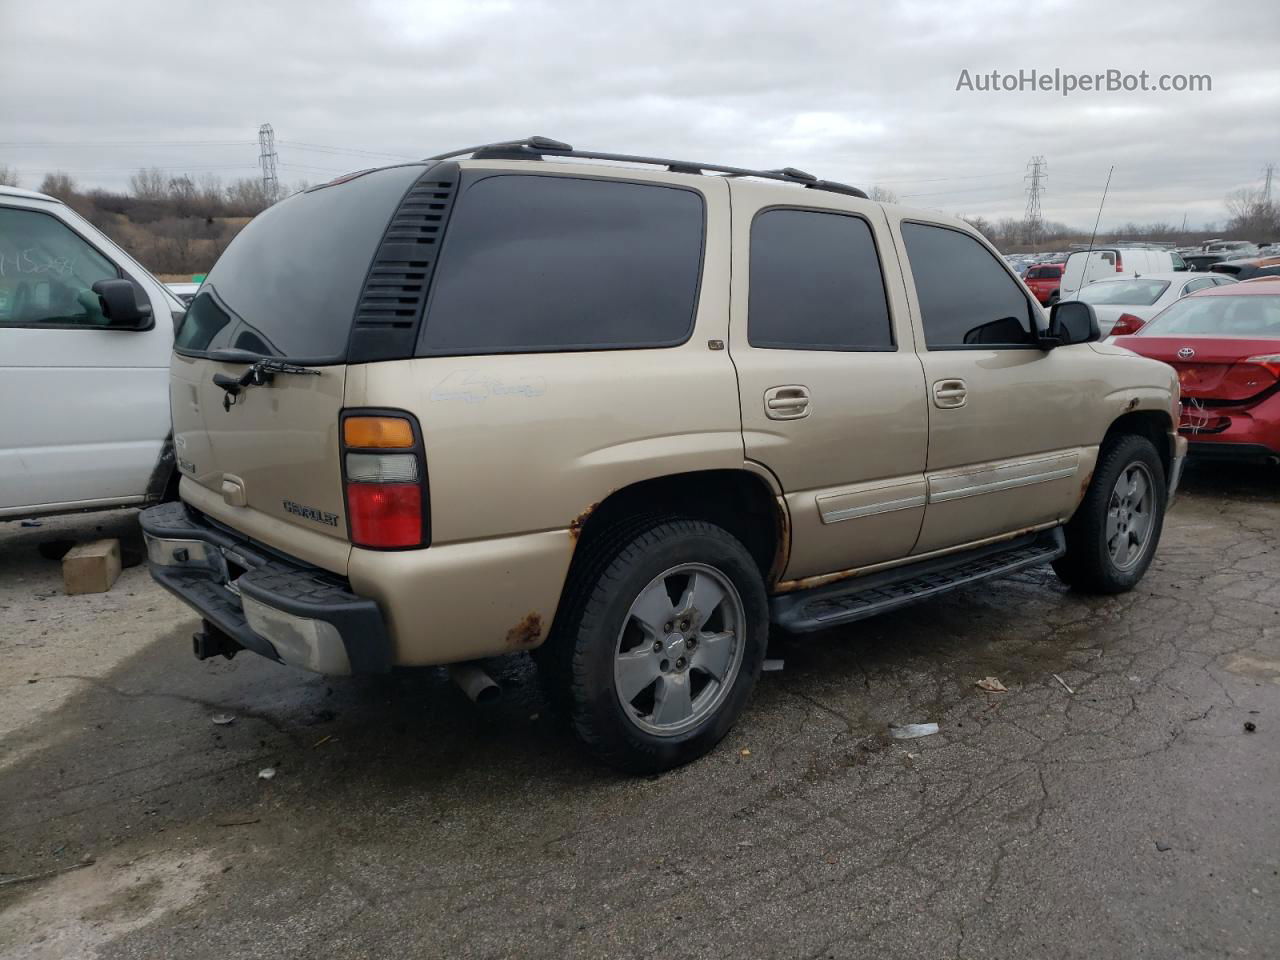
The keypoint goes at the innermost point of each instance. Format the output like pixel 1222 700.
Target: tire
pixel 613 635
pixel 1102 556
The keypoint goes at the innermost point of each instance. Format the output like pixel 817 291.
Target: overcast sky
pixel 864 93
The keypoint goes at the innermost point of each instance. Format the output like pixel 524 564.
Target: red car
pixel 1225 344
pixel 1044 280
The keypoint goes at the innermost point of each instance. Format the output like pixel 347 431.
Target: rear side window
pixel 966 298
pixel 816 283
pixel 539 263
pixel 287 285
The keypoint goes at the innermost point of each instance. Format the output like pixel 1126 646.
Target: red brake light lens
pixel 387 503
pixel 385 514
pixel 1126 325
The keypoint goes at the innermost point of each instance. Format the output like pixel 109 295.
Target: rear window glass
pixel 1132 292
pixel 287 285
pixel 1044 273
pixel 1218 316
pixel 816 283
pixel 541 263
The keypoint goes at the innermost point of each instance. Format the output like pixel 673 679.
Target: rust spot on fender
pixel 782 528
pixel 575 525
pixel 1084 484
pixel 527 631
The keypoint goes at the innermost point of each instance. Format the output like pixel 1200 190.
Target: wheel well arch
pixel 740 501
pixel 1154 425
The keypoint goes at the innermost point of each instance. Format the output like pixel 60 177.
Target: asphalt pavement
pixel 1109 804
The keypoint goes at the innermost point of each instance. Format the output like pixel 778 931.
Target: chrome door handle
pixel 948 394
pixel 786 403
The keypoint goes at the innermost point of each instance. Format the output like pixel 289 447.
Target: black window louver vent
pixel 395 290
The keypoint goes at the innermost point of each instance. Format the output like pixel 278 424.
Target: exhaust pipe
pixel 474 682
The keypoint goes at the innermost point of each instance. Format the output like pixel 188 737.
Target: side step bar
pixel 861 597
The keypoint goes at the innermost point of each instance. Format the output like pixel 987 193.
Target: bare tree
pixel 1252 214
pixel 58 184
pixel 247 197
pixel 882 194
pixel 8 176
pixel 149 183
pixel 182 195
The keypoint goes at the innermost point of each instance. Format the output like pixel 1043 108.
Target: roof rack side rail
pixel 534 148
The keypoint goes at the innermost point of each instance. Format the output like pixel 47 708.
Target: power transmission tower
pixel 1033 221
pixel 1266 189
pixel 267 158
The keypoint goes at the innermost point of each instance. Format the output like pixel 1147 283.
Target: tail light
pixel 1246 379
pixel 1126 325
pixel 386 480
pixel 1119 262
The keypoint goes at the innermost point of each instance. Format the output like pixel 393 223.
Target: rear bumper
pixel 271 605
pixel 1245 433
pixel 1233 452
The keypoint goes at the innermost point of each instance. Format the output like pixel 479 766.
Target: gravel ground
pixel 1133 816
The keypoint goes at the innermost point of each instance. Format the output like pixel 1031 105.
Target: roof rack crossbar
pixel 535 147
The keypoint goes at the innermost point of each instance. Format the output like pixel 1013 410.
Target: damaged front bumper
pixel 261 601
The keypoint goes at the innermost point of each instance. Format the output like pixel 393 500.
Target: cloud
pixel 860 93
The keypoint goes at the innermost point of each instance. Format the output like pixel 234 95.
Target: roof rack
pixel 534 148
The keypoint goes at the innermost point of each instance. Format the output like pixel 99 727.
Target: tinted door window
pixel 1195 285
pixel 966 297
pixel 537 263
pixel 47 272
pixel 816 283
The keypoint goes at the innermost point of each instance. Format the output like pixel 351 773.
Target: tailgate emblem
pixel 1186 353
pixel 310 513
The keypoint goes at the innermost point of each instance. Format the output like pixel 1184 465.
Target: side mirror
pixel 118 300
pixel 1071 321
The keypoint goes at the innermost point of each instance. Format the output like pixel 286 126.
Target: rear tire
pixel 1113 536
pixel 659 643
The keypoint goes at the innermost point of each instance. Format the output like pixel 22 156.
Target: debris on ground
pixel 242 822
pixel 992 685
pixel 1163 847
pixel 267 773
pixel 744 752
pixel 322 741
pixel 91 567
pixel 86 862
pixel 912 731
pixel 1064 684
pixel 1250 726
pixel 772 665
pixel 222 719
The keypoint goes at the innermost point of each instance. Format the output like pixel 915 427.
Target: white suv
pixel 85 336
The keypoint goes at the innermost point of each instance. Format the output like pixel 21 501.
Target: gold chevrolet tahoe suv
pixel 629 414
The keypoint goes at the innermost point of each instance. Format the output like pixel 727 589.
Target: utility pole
pixel 267 158
pixel 1037 174
pixel 1269 171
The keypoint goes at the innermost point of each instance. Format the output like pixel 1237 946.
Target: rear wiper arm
pixel 261 373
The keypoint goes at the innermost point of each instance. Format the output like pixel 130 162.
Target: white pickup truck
pixel 85 337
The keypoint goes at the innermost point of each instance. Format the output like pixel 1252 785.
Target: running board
pixel 860 597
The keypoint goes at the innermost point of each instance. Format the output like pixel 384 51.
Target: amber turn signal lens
pixel 377 432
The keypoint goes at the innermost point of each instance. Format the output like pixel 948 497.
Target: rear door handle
pixel 948 394
pixel 786 403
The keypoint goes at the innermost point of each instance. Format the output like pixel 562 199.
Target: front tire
pixel 1113 536
pixel 662 641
